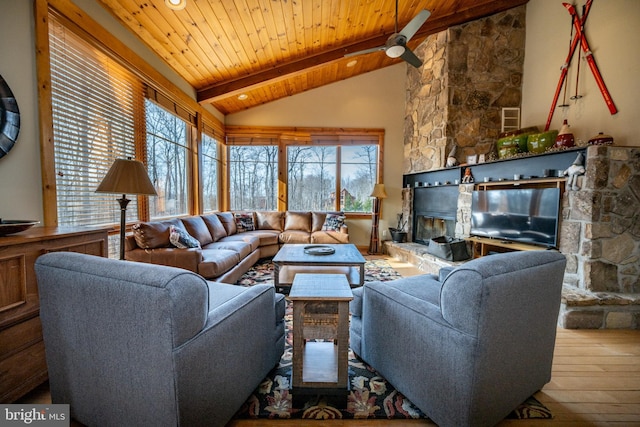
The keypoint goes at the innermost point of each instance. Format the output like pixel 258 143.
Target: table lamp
pixel 126 176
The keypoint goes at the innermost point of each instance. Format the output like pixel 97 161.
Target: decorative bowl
pixel 8 226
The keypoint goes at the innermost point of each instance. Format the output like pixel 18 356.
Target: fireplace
pixel 434 212
pixel 428 227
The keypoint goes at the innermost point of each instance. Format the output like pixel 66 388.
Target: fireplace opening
pixel 429 227
pixel 434 212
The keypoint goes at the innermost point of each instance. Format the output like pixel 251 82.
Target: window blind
pixel 97 111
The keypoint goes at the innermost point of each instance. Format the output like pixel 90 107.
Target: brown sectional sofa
pixel 231 242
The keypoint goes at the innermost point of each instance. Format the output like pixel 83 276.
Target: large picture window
pixel 167 152
pixel 209 154
pixel 253 177
pixel 311 177
pixel 95 111
pixel 313 169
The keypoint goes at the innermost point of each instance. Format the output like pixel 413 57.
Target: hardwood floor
pixel 595 382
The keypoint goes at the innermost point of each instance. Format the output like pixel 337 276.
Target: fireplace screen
pixel 429 227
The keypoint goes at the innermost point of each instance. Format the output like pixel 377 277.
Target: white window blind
pixel 98 106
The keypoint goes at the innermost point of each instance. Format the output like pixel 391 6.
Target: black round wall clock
pixel 9 118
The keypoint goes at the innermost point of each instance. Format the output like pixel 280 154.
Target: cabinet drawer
pixel 22 371
pixel 20 336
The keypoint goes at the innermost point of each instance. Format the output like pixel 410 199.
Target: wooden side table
pixel 320 311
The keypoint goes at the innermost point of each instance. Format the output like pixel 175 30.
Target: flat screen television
pixel 528 215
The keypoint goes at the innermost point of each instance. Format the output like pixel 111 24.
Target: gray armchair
pixel 469 349
pixel 132 344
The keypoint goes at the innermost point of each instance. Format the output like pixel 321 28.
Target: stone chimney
pixel 470 73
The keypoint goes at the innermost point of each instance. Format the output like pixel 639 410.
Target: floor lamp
pixel 377 194
pixel 126 176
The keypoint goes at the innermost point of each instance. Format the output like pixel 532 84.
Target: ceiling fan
pixel 396 45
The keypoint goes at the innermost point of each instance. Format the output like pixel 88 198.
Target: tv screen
pixel 524 215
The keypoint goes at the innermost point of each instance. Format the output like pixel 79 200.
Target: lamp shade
pixel 127 177
pixel 378 191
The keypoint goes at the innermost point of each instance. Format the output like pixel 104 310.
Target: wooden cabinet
pixel 22 357
pixel 483 246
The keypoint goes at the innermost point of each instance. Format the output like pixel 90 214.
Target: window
pixel 311 177
pixel 209 154
pixel 167 153
pixel 253 177
pixel 359 172
pixel 322 169
pixel 95 104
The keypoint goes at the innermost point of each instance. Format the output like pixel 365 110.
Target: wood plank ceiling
pixel 270 49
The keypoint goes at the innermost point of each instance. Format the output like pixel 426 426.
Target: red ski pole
pixel 565 67
pixel 591 60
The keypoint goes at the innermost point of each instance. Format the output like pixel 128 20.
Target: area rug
pixel 371 396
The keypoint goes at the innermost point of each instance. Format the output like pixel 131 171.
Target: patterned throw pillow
pixel 181 239
pixel 244 222
pixel 333 222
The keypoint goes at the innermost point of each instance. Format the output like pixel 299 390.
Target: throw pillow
pixel 333 222
pixel 244 222
pixel 181 239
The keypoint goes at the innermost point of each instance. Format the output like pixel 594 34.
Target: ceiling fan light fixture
pixel 395 51
pixel 175 4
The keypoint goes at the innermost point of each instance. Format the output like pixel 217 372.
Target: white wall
pixel 371 100
pixel 20 182
pixel 612 32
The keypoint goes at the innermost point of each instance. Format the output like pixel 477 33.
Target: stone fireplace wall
pixel 470 72
pixel 599 235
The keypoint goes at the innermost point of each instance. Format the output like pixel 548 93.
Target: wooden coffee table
pixel 320 311
pixel 291 259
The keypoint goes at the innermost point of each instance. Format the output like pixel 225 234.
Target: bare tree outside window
pixel 253 177
pixel 210 159
pixel 167 161
pixel 312 177
pixel 358 174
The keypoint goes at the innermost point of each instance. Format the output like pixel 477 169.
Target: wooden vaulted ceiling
pixel 270 49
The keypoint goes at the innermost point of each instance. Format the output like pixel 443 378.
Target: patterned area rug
pixel 371 396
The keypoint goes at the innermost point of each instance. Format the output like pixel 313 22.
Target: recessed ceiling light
pixel 243 96
pixel 352 63
pixel 176 4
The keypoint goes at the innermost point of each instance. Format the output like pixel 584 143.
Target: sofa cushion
pixel 152 235
pixel 181 238
pixel 271 220
pixel 243 249
pixel 216 262
pixel 196 227
pixel 298 221
pixel 333 222
pixel 327 237
pixel 248 238
pixel 295 236
pixel 215 227
pixel 228 220
pixel 244 221
pixel 265 237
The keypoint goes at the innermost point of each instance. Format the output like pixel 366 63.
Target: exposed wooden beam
pixel 278 72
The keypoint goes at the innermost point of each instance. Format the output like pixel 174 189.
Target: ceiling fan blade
pixel 362 52
pixel 414 25
pixel 411 58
